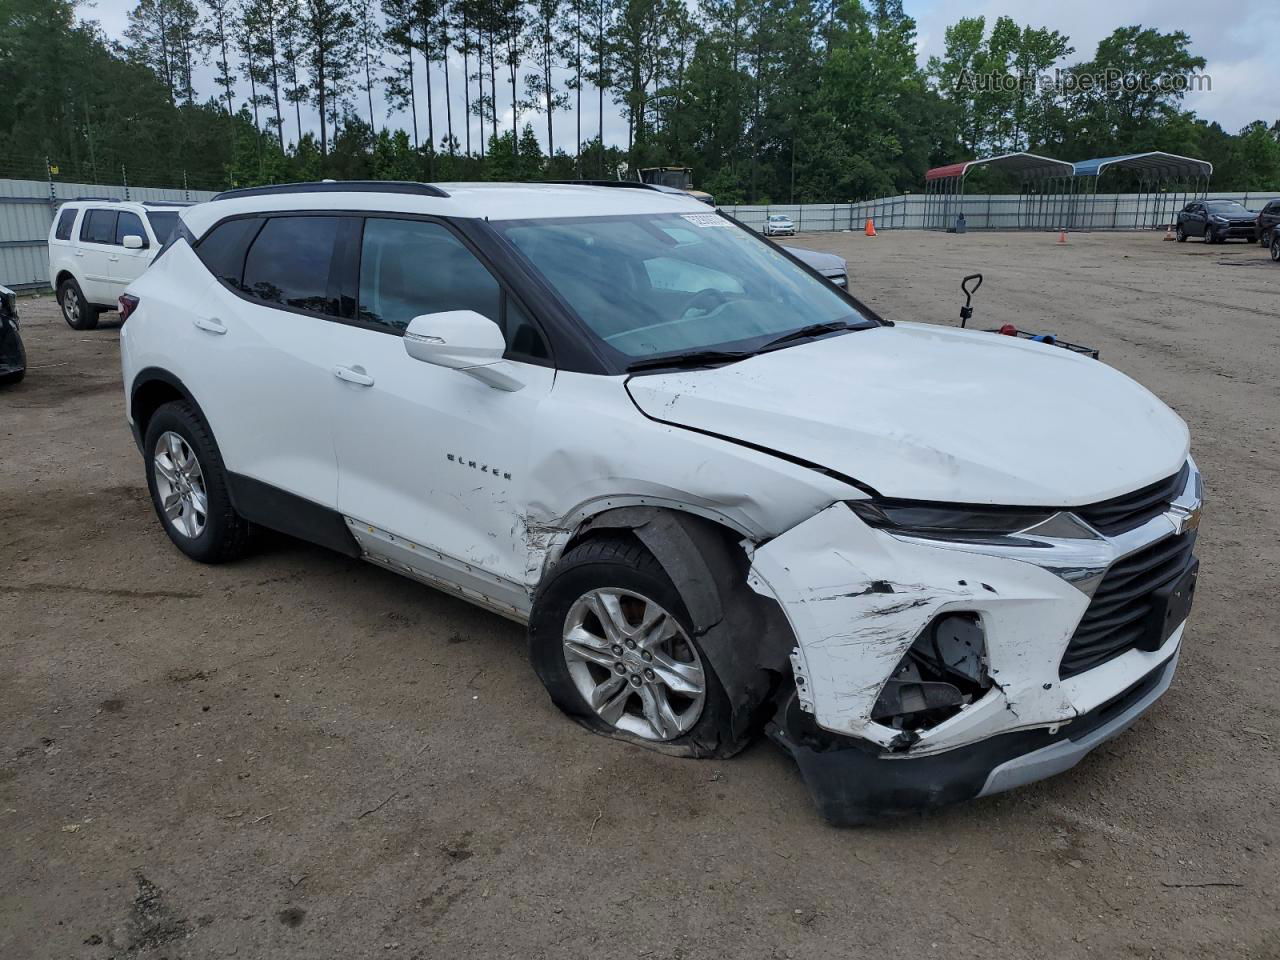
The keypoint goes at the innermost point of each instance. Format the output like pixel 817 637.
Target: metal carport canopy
pixel 1164 165
pixel 1022 164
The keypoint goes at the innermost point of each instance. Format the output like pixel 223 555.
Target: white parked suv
pixel 97 247
pixel 723 494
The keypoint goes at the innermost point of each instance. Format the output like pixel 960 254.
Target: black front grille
pixel 1119 514
pixel 1118 617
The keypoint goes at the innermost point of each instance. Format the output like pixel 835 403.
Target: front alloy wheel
pixel 180 485
pixel 1275 246
pixel 633 664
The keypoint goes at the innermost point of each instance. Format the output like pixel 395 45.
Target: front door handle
pixel 353 375
pixel 210 325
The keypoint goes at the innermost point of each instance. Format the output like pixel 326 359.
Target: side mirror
pixel 133 242
pixel 462 340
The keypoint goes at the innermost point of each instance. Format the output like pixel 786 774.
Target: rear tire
pixel 188 485
pixel 76 310
pixel 697 719
pixel 1181 234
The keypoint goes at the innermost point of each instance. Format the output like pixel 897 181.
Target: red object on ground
pixel 1009 330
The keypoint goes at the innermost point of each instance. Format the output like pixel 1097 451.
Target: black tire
pixel 16 376
pixel 1275 247
pixel 226 534
pixel 1181 234
pixel 620 562
pixel 1209 236
pixel 76 310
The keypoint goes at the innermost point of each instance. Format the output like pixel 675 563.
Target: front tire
pixel 612 641
pixel 188 485
pixel 76 310
pixel 1275 247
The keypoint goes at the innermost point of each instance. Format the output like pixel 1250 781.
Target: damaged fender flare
pixel 745 636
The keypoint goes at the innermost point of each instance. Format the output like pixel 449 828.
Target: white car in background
pixel 97 247
pixel 777 225
pixel 724 494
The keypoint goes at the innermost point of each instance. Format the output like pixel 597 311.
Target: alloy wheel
pixel 180 485
pixel 71 306
pixel 633 663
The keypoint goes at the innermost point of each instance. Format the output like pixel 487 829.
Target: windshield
pixel 656 284
pixel 1228 208
pixel 162 224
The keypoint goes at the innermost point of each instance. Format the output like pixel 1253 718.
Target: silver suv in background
pixel 98 246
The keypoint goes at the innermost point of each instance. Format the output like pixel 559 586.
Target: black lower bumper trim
pixel 853 782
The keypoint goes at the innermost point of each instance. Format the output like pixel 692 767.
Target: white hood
pixel 929 413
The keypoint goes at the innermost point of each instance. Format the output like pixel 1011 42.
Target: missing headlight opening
pixel 944 670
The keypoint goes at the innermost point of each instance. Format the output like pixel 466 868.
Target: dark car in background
pixel 13 356
pixel 1216 221
pixel 1268 219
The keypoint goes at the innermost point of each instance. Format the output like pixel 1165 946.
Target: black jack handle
pixel 966 312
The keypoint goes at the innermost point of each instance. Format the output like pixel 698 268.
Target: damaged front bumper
pixel 860 599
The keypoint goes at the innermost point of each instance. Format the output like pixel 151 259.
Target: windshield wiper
pixel 804 333
pixel 694 358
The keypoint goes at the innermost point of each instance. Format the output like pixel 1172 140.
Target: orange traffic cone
pixel 871 227
pixel 1168 232
pixel 1062 235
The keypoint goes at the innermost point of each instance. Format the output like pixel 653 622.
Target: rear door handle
pixel 210 325
pixel 353 375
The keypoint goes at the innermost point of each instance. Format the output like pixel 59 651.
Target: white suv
pixel 97 247
pixel 722 493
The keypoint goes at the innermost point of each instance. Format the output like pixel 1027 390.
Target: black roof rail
pixel 166 203
pixel 95 199
pixel 337 186
pixel 631 184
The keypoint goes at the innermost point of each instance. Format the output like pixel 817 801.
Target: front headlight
pixel 970 524
pixel 1218 219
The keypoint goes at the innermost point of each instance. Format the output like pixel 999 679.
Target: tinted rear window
pixel 98 226
pixel 65 221
pixel 162 224
pixel 129 225
pixel 288 263
pixel 223 248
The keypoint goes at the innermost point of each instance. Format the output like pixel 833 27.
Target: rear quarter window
pixel 66 220
pixel 222 250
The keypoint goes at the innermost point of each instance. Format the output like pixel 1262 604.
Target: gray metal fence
pixel 27 209
pixel 1114 211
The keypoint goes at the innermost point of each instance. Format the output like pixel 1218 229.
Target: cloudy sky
pixel 1237 38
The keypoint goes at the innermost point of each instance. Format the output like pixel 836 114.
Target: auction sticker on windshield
pixel 706 219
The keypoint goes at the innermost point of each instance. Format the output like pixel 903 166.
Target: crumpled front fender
pixel 856 598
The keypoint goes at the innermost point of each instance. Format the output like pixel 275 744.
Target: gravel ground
pixel 300 755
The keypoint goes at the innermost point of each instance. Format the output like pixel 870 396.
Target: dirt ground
pixel 301 755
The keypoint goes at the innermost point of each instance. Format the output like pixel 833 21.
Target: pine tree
pixel 549 50
pixel 216 38
pixel 162 34
pixel 328 29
